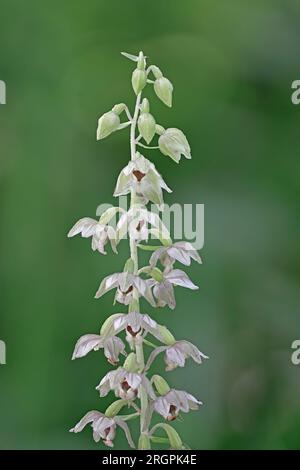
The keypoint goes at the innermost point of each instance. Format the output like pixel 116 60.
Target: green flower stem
pixel 147 146
pixel 129 417
pixel 150 344
pixel 134 257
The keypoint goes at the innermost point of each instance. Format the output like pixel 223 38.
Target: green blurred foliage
pixel 232 64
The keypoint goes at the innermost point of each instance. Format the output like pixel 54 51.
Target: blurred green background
pixel 232 64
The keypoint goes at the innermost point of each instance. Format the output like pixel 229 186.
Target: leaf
pixel 173 436
pixel 130 56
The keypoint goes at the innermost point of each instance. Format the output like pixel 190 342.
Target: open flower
pixel 183 252
pixel 100 233
pixel 141 176
pixel 163 288
pixel 136 222
pixel 135 325
pixel 174 143
pixel 104 428
pixel 176 354
pixel 125 283
pixel 125 384
pixel 173 402
pixel 112 347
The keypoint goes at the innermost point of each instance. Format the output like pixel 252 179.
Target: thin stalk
pixel 147 146
pixel 134 257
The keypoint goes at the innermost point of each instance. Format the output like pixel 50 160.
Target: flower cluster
pixel 131 381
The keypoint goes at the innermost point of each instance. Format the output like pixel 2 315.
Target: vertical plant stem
pixel 134 257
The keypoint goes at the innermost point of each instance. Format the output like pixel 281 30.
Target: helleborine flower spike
pixel 131 381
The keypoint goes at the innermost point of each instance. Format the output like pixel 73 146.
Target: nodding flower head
pixel 183 252
pixel 173 143
pixel 135 324
pixel 104 428
pixel 141 176
pixel 100 233
pixel 125 283
pixel 163 289
pixel 176 354
pixel 173 402
pixel 125 384
pixel 112 346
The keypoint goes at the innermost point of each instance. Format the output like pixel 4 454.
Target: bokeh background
pixel 232 64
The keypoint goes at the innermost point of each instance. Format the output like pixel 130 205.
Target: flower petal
pixel 86 226
pixel 126 430
pixel 85 344
pixel 180 278
pixel 88 418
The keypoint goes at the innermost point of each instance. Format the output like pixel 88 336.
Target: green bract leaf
pixel 132 57
pixel 173 436
pixel 108 214
pixel 115 408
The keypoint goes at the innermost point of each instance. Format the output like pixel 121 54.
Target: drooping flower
pixel 125 283
pixel 173 143
pixel 100 233
pixel 135 325
pixel 163 288
pixel 183 252
pixel 173 402
pixel 141 176
pixel 104 428
pixel 112 346
pixel 125 384
pixel 136 222
pixel 176 354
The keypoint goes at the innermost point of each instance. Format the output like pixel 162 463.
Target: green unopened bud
pixel 107 328
pixel 164 89
pixel 159 129
pixel 131 364
pixel 144 442
pixel 107 124
pixel 115 408
pixel 166 336
pixel 129 266
pixel 146 125
pixel 145 106
pixel 138 80
pixel 174 143
pixel 141 62
pixel 157 274
pixel 156 71
pixel 160 384
pixel 119 108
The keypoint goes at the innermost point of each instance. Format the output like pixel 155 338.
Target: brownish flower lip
pixel 140 225
pixel 130 288
pixel 139 175
pixel 125 385
pixel 173 413
pixel 130 330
